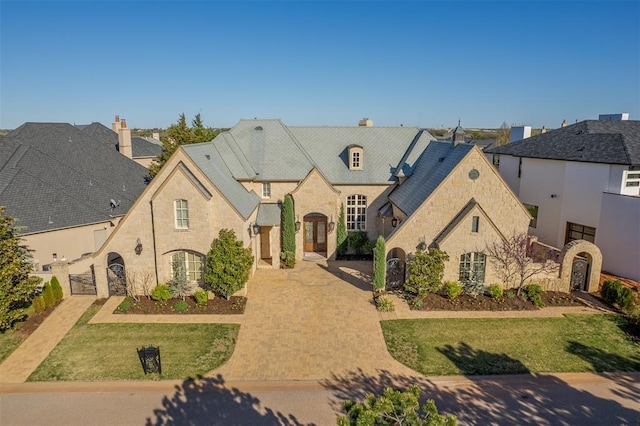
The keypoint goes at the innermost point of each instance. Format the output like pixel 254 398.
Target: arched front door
pixel 116 275
pixel 315 233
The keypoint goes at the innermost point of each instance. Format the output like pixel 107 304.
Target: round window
pixel 474 174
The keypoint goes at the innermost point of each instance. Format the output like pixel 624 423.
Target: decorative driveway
pixel 310 323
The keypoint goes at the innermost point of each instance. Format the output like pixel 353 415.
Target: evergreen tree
pixel 228 264
pixel 16 287
pixel 341 233
pixel 379 265
pixel 180 134
pixel 288 232
pixel 48 296
pixel 425 271
pixel 57 289
pixel 179 284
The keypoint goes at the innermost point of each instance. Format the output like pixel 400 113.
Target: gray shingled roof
pixel 433 166
pixel 269 214
pixel 210 162
pixel 140 147
pixel 591 141
pixel 56 176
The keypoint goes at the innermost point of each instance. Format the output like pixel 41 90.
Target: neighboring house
pixel 141 150
pixel 582 182
pixel 396 182
pixel 66 188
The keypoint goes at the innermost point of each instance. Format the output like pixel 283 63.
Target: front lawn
pixel 575 343
pixel 98 352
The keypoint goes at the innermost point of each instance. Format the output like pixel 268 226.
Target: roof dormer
pixel 356 157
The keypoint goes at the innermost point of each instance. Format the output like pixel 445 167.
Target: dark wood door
pixel 315 234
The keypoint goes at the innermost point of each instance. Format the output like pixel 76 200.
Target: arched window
pixel 190 261
pixel 355 157
pixel 181 214
pixel 356 212
pixel 472 268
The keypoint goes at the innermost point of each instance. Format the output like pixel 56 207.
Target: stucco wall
pixel 509 171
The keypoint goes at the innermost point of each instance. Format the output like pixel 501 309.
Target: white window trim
pixel 359 210
pixel 186 253
pixel 175 213
pixel 266 189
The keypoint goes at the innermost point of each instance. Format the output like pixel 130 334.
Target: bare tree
pixel 146 279
pixel 131 284
pixel 503 135
pixel 515 262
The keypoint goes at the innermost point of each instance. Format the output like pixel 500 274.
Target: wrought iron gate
pixel 579 274
pixel 117 280
pixel 82 284
pixel 395 274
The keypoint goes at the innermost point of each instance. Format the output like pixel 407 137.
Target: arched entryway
pixel 396 263
pixel 315 234
pixel 581 264
pixel 116 275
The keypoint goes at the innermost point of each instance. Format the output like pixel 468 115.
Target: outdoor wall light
pixel 138 248
pixel 394 222
pixel 55 257
pixel 256 228
pixel 298 224
pixel 332 226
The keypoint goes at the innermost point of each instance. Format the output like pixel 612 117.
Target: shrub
pixel 201 296
pixel 452 289
pixel 610 291
pixel 384 304
pixel 126 304
pixel 228 264
pixel 48 297
pixel 473 289
pixel 510 295
pixel 495 291
pixel 425 271
pixel 38 304
pixel 625 300
pixel 287 259
pixel 416 303
pixel 179 284
pixel 180 306
pixel 341 233
pixel 357 241
pixel 162 293
pixel 57 289
pixel 379 265
pixel 534 293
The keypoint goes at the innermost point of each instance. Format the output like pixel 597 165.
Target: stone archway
pixel 116 275
pixel 396 264
pixel 580 266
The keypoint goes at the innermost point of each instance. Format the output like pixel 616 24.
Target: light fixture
pixel 394 222
pixel 55 257
pixel 138 248
pixel 256 228
pixel 554 195
pixel 332 226
pixel 298 224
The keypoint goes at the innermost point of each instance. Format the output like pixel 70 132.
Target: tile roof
pixel 591 141
pixel 433 166
pixel 56 176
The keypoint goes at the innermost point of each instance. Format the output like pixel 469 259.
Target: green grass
pixel 97 352
pixel 575 343
pixel 12 338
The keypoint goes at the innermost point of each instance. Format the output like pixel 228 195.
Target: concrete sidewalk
pixel 26 358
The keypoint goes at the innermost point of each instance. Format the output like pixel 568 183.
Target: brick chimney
pixel 564 123
pixel 115 126
pixel 543 130
pixel 124 139
pixel 365 122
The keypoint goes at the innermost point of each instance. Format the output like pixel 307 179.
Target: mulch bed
pixel 465 302
pixel 219 306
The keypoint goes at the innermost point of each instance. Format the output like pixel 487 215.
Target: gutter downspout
pixel 153 236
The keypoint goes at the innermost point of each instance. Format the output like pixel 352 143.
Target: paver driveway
pixel 310 323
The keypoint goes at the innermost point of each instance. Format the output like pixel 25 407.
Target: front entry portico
pixel 315 233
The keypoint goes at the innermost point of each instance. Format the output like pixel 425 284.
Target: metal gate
pixel 395 274
pixel 117 280
pixel 579 274
pixel 82 284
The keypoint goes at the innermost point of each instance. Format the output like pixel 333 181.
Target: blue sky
pixel 420 63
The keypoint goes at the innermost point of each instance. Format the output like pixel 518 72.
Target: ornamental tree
pixel 395 407
pixel 228 264
pixel 288 232
pixel 341 233
pixel 16 286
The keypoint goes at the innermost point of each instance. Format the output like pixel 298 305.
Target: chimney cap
pixel 117 119
pixel 124 123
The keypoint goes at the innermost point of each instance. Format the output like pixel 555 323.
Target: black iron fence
pixel 82 284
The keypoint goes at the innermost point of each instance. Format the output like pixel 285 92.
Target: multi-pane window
pixel 533 211
pixel 191 262
pixel 182 214
pixel 633 179
pixel 475 223
pixel 576 231
pixel 496 161
pixel 472 267
pixel 266 189
pixel 355 160
pixel 356 212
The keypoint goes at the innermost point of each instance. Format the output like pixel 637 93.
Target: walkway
pixel 25 359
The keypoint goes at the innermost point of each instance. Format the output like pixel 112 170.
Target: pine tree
pixel 179 284
pixel 16 287
pixel 48 296
pixel 57 289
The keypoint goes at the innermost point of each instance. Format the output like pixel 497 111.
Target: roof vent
pixel 113 203
pixel 440 160
pixel 207 156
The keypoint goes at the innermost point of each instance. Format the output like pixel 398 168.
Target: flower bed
pixel 219 306
pixel 465 302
